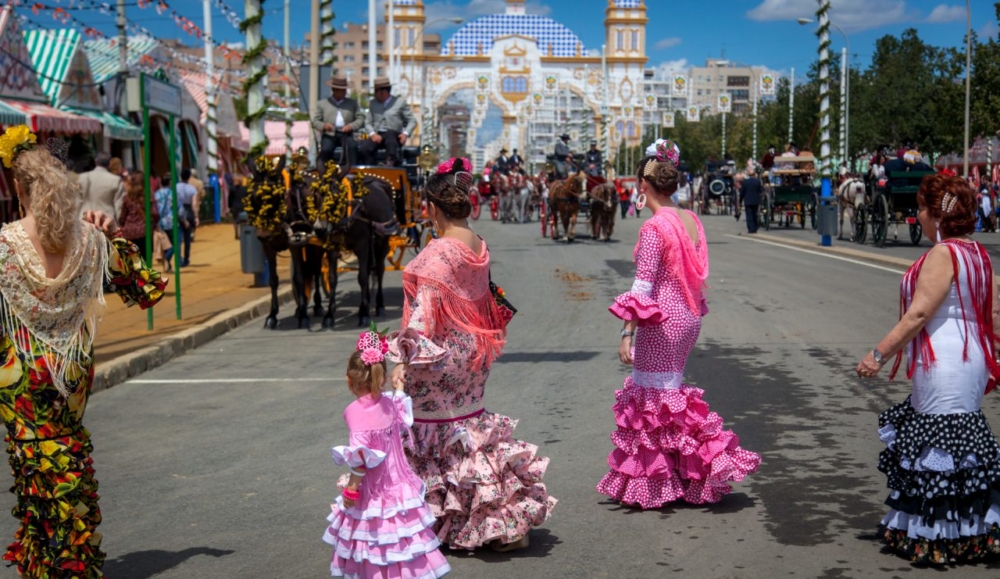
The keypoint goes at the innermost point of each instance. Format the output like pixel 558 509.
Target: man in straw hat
pixel 389 123
pixel 562 157
pixel 336 119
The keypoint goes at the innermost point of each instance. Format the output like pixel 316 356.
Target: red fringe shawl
pixel 462 302
pixel 979 281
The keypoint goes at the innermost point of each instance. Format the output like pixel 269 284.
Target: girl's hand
pixel 348 503
pixel 625 350
pixel 398 377
pixel 868 367
pixel 101 220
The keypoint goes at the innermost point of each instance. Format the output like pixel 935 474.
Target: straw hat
pixel 382 82
pixel 338 82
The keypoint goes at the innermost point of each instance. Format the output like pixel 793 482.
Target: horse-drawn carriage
pixel 589 195
pixel 718 189
pixel 790 193
pixel 891 201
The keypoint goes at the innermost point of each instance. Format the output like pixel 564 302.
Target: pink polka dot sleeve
pixel 639 303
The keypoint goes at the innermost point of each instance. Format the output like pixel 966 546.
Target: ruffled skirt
pixel 57 505
pixel 944 478
pixel 385 539
pixel 668 447
pixel 482 484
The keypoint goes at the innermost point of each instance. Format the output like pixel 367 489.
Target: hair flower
pixel 371 357
pixel 373 346
pixel 449 165
pixel 14 140
pixel 668 151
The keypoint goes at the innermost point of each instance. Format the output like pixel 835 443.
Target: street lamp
pixel 845 87
pixel 968 75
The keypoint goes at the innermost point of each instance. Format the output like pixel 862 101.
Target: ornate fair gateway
pixel 518 80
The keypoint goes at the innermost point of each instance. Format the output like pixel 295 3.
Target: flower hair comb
pixel 668 151
pixel 449 165
pixel 373 346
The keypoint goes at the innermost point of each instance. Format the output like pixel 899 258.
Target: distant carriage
pixel 790 194
pixel 893 201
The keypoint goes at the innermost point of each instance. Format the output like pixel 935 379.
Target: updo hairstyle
pixel 449 191
pixel 662 176
pixel 951 202
pixel 53 198
pixel 365 379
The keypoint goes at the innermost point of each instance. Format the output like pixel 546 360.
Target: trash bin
pixel 826 219
pixel 251 250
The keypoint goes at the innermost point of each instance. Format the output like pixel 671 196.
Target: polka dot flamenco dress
pixel 668 445
pixel 941 460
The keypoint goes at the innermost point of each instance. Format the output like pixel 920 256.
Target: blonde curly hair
pixel 54 199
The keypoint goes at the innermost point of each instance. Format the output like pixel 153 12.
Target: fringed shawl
pixel 461 280
pixel 689 260
pixel 976 304
pixel 57 316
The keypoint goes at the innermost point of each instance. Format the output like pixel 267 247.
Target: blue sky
pixel 760 32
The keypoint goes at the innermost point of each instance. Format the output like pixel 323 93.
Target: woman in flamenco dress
pixel 668 445
pixel 941 459
pixel 484 487
pixel 53 267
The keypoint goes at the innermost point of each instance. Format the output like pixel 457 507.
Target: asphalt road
pixel 217 464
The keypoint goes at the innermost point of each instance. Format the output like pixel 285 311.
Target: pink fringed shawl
pixel 688 259
pixel 976 303
pixel 464 301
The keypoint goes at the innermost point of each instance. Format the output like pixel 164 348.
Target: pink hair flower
pixel 372 356
pixel 449 165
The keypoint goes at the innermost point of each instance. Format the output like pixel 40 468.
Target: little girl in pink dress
pixel 380 527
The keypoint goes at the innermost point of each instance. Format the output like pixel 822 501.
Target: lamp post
pixel 826 190
pixel 968 75
pixel 845 89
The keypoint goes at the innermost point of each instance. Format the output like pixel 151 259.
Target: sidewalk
pixel 213 284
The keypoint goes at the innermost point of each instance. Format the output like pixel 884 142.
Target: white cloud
pixel 473 9
pixel 668 43
pixel 945 13
pixel 669 67
pixel 851 15
pixel 989 30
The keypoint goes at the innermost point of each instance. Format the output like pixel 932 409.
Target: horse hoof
pixel 271 323
pixel 328 322
pixel 380 312
pixel 303 323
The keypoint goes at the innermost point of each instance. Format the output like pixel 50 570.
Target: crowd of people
pixel 429 465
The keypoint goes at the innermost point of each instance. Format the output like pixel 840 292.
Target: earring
pixel 937 226
pixel 20 207
pixel 640 202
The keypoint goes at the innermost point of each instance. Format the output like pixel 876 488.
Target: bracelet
pixel 357 472
pixel 351 495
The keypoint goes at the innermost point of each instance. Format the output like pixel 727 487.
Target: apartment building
pixel 723 76
pixel 352 49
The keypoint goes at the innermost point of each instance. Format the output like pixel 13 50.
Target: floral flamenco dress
pixel 668 445
pixel 46 370
pixel 482 484
pixel 388 533
pixel 941 459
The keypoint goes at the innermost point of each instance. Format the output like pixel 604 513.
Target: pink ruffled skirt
pixel 385 539
pixel 482 484
pixel 668 447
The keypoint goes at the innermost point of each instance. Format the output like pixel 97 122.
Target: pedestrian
pixel 380 525
pixel 187 196
pixel 684 192
pixel 389 123
pixel 102 190
pixel 942 460
pixel 452 331
pixel 164 200
pixel 237 193
pixel 52 270
pixel 132 218
pixel 668 445
pixel 750 195
pixel 624 198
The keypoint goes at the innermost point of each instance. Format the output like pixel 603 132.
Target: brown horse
pixel 564 202
pixel 603 206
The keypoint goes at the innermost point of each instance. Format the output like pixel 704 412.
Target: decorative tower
pixel 515 7
pixel 409 21
pixel 625 24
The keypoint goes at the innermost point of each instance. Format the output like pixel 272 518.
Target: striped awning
pixel 52 54
pixel 115 127
pixel 10 117
pixel 102 54
pixel 43 118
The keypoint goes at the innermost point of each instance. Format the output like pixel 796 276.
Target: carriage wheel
pixel 477 205
pixel 494 207
pixel 860 225
pixel 812 214
pixel 802 215
pixel 880 221
pixel 916 232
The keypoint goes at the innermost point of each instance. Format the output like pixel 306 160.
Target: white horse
pixel 850 198
pixel 525 190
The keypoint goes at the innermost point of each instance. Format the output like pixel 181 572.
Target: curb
pixel 886 260
pixel 120 369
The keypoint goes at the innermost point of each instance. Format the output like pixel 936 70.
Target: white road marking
pixel 236 380
pixel 820 253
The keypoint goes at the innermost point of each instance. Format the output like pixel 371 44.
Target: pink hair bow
pixel 449 165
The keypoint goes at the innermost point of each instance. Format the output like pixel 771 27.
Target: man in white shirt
pixel 336 119
pixel 186 197
pixel 102 190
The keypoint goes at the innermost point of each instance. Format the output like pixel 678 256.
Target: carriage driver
pixel 389 123
pixel 562 157
pixel 594 160
pixel 336 119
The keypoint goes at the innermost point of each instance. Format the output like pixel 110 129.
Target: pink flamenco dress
pixel 483 485
pixel 668 445
pixel 388 532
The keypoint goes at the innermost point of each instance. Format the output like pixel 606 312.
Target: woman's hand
pixel 868 367
pixel 102 221
pixel 398 377
pixel 625 350
pixel 348 503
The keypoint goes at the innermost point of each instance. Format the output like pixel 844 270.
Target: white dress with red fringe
pixel 668 445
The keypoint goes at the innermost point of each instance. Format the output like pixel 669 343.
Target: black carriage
pixel 718 188
pixel 893 201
